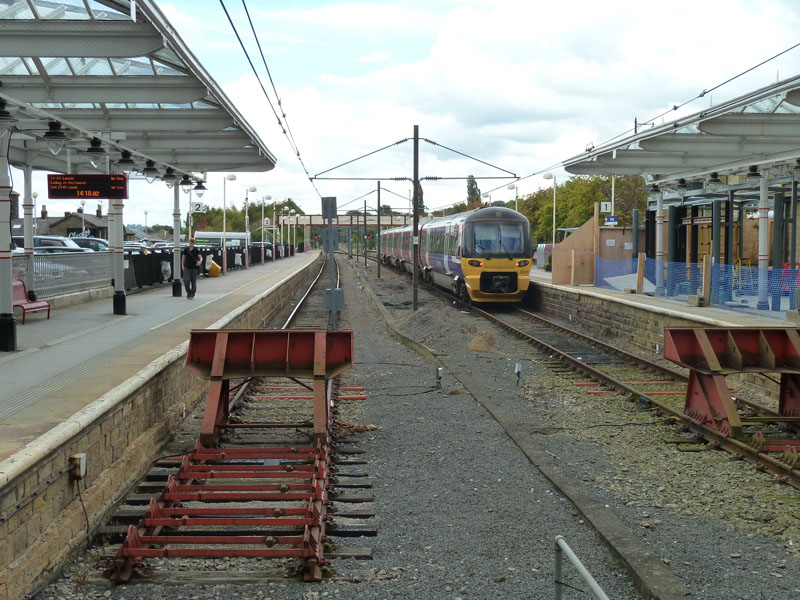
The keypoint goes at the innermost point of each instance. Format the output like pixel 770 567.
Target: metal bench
pixel 20 299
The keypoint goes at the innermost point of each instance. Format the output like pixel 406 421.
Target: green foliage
pixel 235 218
pixel 575 200
pixel 473 193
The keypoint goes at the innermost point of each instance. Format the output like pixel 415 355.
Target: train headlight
pixel 523 263
pixel 475 263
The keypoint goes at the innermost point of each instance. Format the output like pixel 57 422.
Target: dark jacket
pixel 192 256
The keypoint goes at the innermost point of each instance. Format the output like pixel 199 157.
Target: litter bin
pixel 214 270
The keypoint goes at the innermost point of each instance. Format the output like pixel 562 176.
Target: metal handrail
pixel 562 547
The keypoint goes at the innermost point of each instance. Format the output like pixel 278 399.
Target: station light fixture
pixel 796 165
pixel 55 137
pixel 654 189
pixel 752 172
pixel 150 171
pixel 199 189
pixel 170 178
pixel 714 179
pixel 96 152
pixel 5 116
pixel 126 163
pixel 682 185
pixel 187 184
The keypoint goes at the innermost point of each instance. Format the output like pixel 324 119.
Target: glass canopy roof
pixel 761 128
pixel 131 83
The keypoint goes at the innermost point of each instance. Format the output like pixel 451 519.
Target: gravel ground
pixel 461 511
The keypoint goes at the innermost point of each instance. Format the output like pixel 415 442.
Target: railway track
pixel 607 369
pixel 269 474
pixel 767 439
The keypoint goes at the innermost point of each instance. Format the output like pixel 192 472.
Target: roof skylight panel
pixel 132 66
pixel 12 66
pixel 104 12
pixel 16 10
pixel 66 9
pixel 56 66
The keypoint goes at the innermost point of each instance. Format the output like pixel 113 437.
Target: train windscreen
pixel 495 239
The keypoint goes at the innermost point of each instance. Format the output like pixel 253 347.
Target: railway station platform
pixel 661 308
pixel 65 363
pixel 88 387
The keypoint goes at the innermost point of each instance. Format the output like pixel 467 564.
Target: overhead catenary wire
pixel 284 127
pixel 272 83
pixel 675 107
pixel 702 94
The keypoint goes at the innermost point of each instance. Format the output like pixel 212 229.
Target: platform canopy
pixel 87 69
pixel 758 130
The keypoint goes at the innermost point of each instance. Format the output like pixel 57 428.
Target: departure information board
pixel 81 187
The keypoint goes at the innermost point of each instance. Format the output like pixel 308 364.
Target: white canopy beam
pixel 103 88
pixel 720 145
pixel 184 121
pixel 598 168
pixel 88 39
pixel 771 125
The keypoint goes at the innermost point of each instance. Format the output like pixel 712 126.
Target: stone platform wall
pixel 41 517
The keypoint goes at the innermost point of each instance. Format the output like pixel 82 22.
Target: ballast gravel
pixel 462 513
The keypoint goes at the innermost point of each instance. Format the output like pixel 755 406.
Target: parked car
pixel 50 243
pixel 136 246
pixel 95 244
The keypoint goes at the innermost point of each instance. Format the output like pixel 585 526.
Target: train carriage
pixel 482 255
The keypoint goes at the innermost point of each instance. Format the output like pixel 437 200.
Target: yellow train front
pixel 483 255
pixel 496 255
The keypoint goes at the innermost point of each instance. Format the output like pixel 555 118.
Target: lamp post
pixel 549 175
pixel 280 231
pixel 228 177
pixel 292 233
pixel 252 188
pixel 83 221
pixel 513 186
pixel 145 222
pixel 35 220
pixel 274 245
pixel 263 226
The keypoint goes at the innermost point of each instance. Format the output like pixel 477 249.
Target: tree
pixel 575 199
pixel 473 192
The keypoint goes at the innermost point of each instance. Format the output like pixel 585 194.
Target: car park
pixel 49 244
pixel 95 244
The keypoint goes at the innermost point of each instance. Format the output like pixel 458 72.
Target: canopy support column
pixel 763 243
pixel 659 243
pixel 27 210
pixel 118 266
pixel 8 325
pixel 176 242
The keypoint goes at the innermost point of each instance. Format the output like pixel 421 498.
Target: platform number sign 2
pixel 198 207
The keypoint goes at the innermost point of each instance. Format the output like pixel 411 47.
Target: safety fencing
pixel 58 274
pixel 65 273
pixel 729 287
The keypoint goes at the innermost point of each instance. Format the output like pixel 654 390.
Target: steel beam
pixel 104 88
pixel 69 38
pixel 770 125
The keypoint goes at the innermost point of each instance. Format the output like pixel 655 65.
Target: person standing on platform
pixel 191 259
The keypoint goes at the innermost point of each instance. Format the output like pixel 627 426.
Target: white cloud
pixel 521 85
pixel 374 58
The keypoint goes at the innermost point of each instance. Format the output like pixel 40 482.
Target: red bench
pixel 20 298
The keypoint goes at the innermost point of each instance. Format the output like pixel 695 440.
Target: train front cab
pixel 496 255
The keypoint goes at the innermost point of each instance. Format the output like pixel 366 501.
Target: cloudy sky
pixel 519 84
